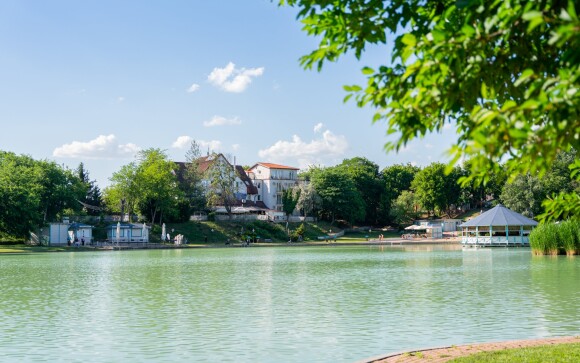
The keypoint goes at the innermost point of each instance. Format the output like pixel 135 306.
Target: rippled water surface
pixel 327 304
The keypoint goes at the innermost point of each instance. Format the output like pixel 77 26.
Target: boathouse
pixel 498 226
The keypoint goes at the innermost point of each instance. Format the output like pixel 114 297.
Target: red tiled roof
pixel 277 166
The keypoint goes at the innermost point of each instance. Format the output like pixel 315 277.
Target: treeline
pixel 33 192
pixel 357 192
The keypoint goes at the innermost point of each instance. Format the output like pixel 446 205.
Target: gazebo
pixel 498 226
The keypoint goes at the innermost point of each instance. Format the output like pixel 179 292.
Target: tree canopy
pixel 505 73
pixel 148 184
pixel 34 192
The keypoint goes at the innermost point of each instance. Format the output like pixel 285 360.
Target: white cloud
pixel 235 147
pixel 222 121
pixel 182 142
pixel 120 99
pixel 318 127
pixel 212 146
pixel 315 152
pixel 194 87
pixel 103 147
pixel 231 79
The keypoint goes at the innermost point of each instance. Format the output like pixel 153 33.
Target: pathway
pixel 440 355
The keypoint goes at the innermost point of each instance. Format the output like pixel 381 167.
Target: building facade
pixel 270 180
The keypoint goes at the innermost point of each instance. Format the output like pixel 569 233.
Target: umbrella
pixel 163 232
pixel 118 232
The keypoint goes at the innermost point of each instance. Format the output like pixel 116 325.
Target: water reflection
pixel 336 304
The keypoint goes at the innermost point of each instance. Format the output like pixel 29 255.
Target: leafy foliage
pixel 505 73
pixel 34 192
pixel 221 176
pixel 290 199
pixel 436 190
pixel 365 175
pixel 396 179
pixel 404 209
pixel 149 185
pixel 340 197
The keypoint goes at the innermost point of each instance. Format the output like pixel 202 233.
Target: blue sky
pixel 95 81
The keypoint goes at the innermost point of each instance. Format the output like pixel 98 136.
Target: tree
pixel 92 198
pixel 340 198
pixel 290 199
pixel 123 193
pixel 396 179
pixel 33 192
pixel 157 183
pixel 476 193
pixel 434 189
pixel 524 195
pixel 404 208
pixel 148 185
pixel 192 184
pixel 222 177
pixel 365 175
pixel 309 200
pixel 506 73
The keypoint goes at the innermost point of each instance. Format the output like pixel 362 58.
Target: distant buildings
pixel 259 188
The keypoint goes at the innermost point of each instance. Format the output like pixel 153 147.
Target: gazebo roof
pixel 500 216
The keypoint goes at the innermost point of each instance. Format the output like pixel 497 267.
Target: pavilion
pixel 498 226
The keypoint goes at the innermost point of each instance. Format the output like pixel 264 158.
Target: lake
pixel 294 304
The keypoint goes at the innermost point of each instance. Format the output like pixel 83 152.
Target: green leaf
pixel 409 40
pixel 484 90
pixel 524 77
pixel 368 71
pixel 534 14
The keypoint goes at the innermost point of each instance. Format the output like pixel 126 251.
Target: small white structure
pixel 128 232
pixel 498 226
pixel 58 234
pixel 81 233
pixel 447 225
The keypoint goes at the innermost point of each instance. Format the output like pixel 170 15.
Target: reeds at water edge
pixel 555 238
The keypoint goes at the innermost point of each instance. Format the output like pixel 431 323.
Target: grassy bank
pixel 562 353
pixel 220 232
pixel 209 233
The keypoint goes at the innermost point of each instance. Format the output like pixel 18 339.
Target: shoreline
pixel 444 354
pixel 391 242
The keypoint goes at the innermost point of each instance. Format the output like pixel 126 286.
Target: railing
pixel 496 241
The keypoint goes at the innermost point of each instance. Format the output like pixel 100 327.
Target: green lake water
pixel 295 304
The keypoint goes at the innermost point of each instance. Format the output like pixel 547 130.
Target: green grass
pixel 561 353
pixel 217 233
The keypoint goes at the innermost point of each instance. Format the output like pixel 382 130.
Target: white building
pixel 271 180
